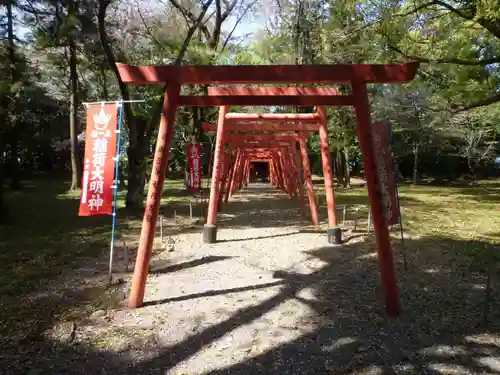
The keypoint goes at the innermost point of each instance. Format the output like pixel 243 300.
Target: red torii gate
pixel 301 129
pixel 288 167
pixel 357 75
pixel 241 167
pixel 228 166
pixel 301 140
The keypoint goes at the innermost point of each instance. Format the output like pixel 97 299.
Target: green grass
pixel 468 215
pixel 42 236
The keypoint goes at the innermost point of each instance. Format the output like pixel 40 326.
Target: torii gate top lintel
pixel 264 74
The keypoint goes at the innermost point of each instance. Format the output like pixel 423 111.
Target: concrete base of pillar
pixel 210 233
pixel 334 235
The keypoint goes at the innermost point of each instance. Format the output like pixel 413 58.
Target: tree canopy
pixel 58 53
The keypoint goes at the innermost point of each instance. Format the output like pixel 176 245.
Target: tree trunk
pixel 139 133
pixel 15 169
pixel 138 152
pixel 347 170
pixel 339 167
pixel 2 152
pixel 76 172
pixel 415 164
pixel 472 169
pixel 14 139
pixel 105 92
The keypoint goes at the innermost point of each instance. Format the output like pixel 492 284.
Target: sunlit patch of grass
pixel 466 213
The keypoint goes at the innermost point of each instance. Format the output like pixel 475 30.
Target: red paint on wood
pixel 307 176
pixel 160 163
pixel 273 91
pixel 301 74
pixel 263 100
pixel 217 169
pixel 306 127
pixel 300 181
pixel 261 137
pixel 273 117
pixel 327 169
pixel 384 249
pixel 259 145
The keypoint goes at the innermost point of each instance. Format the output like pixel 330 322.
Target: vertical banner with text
pixel 385 172
pixel 194 166
pixel 99 162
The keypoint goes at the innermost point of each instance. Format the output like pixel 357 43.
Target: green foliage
pixel 427 131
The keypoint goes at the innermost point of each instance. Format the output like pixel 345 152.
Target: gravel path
pixel 271 297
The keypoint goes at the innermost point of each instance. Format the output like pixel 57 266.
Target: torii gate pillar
pixel 210 229
pixel 382 237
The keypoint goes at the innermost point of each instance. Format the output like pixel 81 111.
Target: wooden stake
pixel 161 230
pixel 125 255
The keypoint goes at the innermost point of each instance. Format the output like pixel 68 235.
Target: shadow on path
pixel 158 268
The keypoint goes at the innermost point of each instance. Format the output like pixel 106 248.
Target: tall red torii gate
pixel 357 75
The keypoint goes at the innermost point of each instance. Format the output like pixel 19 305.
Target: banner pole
pixel 397 199
pixel 115 191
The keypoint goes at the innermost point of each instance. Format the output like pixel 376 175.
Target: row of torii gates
pixel 279 149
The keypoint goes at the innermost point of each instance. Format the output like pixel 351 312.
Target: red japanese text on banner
pixel 194 166
pixel 384 169
pixel 99 163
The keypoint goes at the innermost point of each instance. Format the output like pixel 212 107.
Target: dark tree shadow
pixel 257 238
pixel 213 293
pixel 159 267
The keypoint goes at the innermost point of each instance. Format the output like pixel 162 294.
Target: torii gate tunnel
pixel 357 75
pixel 275 167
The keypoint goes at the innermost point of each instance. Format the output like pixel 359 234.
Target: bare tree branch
pixel 238 20
pixel 155 119
pixel 146 26
pixel 192 17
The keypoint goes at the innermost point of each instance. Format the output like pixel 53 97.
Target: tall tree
pixel 14 90
pixel 461 38
pixel 62 25
pixel 140 131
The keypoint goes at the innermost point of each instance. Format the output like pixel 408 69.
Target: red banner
pixel 195 168
pixel 385 173
pixel 99 163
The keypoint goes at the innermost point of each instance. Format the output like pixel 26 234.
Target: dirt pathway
pixel 198 287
